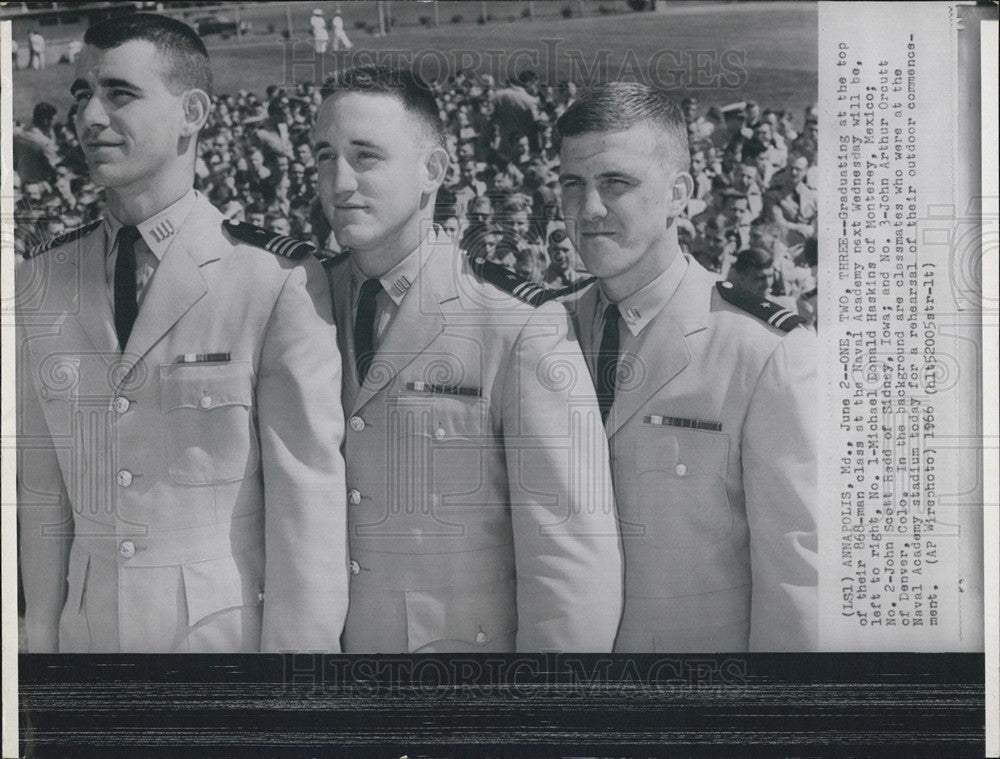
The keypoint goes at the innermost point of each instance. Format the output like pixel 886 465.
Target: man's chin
pixel 104 175
pixel 99 176
pixel 352 236
pixel 593 255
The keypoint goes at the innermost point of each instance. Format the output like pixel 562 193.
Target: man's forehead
pixel 373 117
pixel 357 106
pixel 632 144
pixel 133 61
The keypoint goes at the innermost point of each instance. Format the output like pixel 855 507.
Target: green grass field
pixel 719 52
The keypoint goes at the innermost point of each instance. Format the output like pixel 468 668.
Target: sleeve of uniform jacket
pixel 779 479
pixel 45 526
pixel 301 429
pixel 567 550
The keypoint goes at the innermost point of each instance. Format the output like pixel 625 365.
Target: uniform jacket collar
pixel 640 308
pixel 417 323
pixel 397 281
pixel 660 352
pixel 160 229
pixel 178 284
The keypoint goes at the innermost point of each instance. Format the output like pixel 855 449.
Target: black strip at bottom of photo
pixel 482 705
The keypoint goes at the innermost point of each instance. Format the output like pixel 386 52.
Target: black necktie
pixel 607 361
pixel 364 328
pixel 126 302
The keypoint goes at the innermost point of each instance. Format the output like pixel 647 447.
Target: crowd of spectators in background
pixel 751 219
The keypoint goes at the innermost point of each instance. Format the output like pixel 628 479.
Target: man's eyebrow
pixel 615 174
pixel 113 83
pixel 357 143
pixel 108 83
pixel 602 175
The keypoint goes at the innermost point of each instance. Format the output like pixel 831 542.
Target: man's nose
pixel 593 206
pixel 343 182
pixel 91 116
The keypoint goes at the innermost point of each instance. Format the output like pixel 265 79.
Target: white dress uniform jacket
pixel 481 514
pixel 196 475
pixel 713 447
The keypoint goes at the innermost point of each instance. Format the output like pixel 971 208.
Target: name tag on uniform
pixel 426 387
pixel 676 421
pixel 201 358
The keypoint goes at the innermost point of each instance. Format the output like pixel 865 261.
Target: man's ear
pixel 436 162
pixel 680 193
pixel 197 105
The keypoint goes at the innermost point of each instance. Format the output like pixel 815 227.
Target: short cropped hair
pixel 188 67
pixel 405 86
pixel 527 77
pixel 619 106
pixel 516 204
pixel 753 259
pixel 43 114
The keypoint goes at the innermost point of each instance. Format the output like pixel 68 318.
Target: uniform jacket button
pixel 481 637
pixel 354 496
pixel 121 404
pixel 440 433
pixel 357 423
pixel 681 470
pixel 124 478
pixel 355 567
pixel 127 549
pixel 206 401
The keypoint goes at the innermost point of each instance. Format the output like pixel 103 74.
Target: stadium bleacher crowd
pixel 752 217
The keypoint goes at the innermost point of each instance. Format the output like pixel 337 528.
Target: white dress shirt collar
pixel 160 229
pixel 639 308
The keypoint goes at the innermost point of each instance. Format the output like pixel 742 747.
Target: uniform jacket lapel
pixel 661 351
pixel 584 310
pixel 177 284
pixel 94 307
pixel 339 275
pixel 416 324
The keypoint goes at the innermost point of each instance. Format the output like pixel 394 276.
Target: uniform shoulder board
pixel 65 237
pixel 521 288
pixel 762 308
pixel 280 245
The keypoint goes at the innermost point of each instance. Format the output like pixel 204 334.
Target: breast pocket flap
pixel 440 419
pixel 215 585
pixel 205 386
pixel 682 452
pixel 476 614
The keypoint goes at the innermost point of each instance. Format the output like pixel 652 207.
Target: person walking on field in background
pixel 339 35
pixel 179 454
pixel 708 392
pixel 36 50
pixel 320 34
